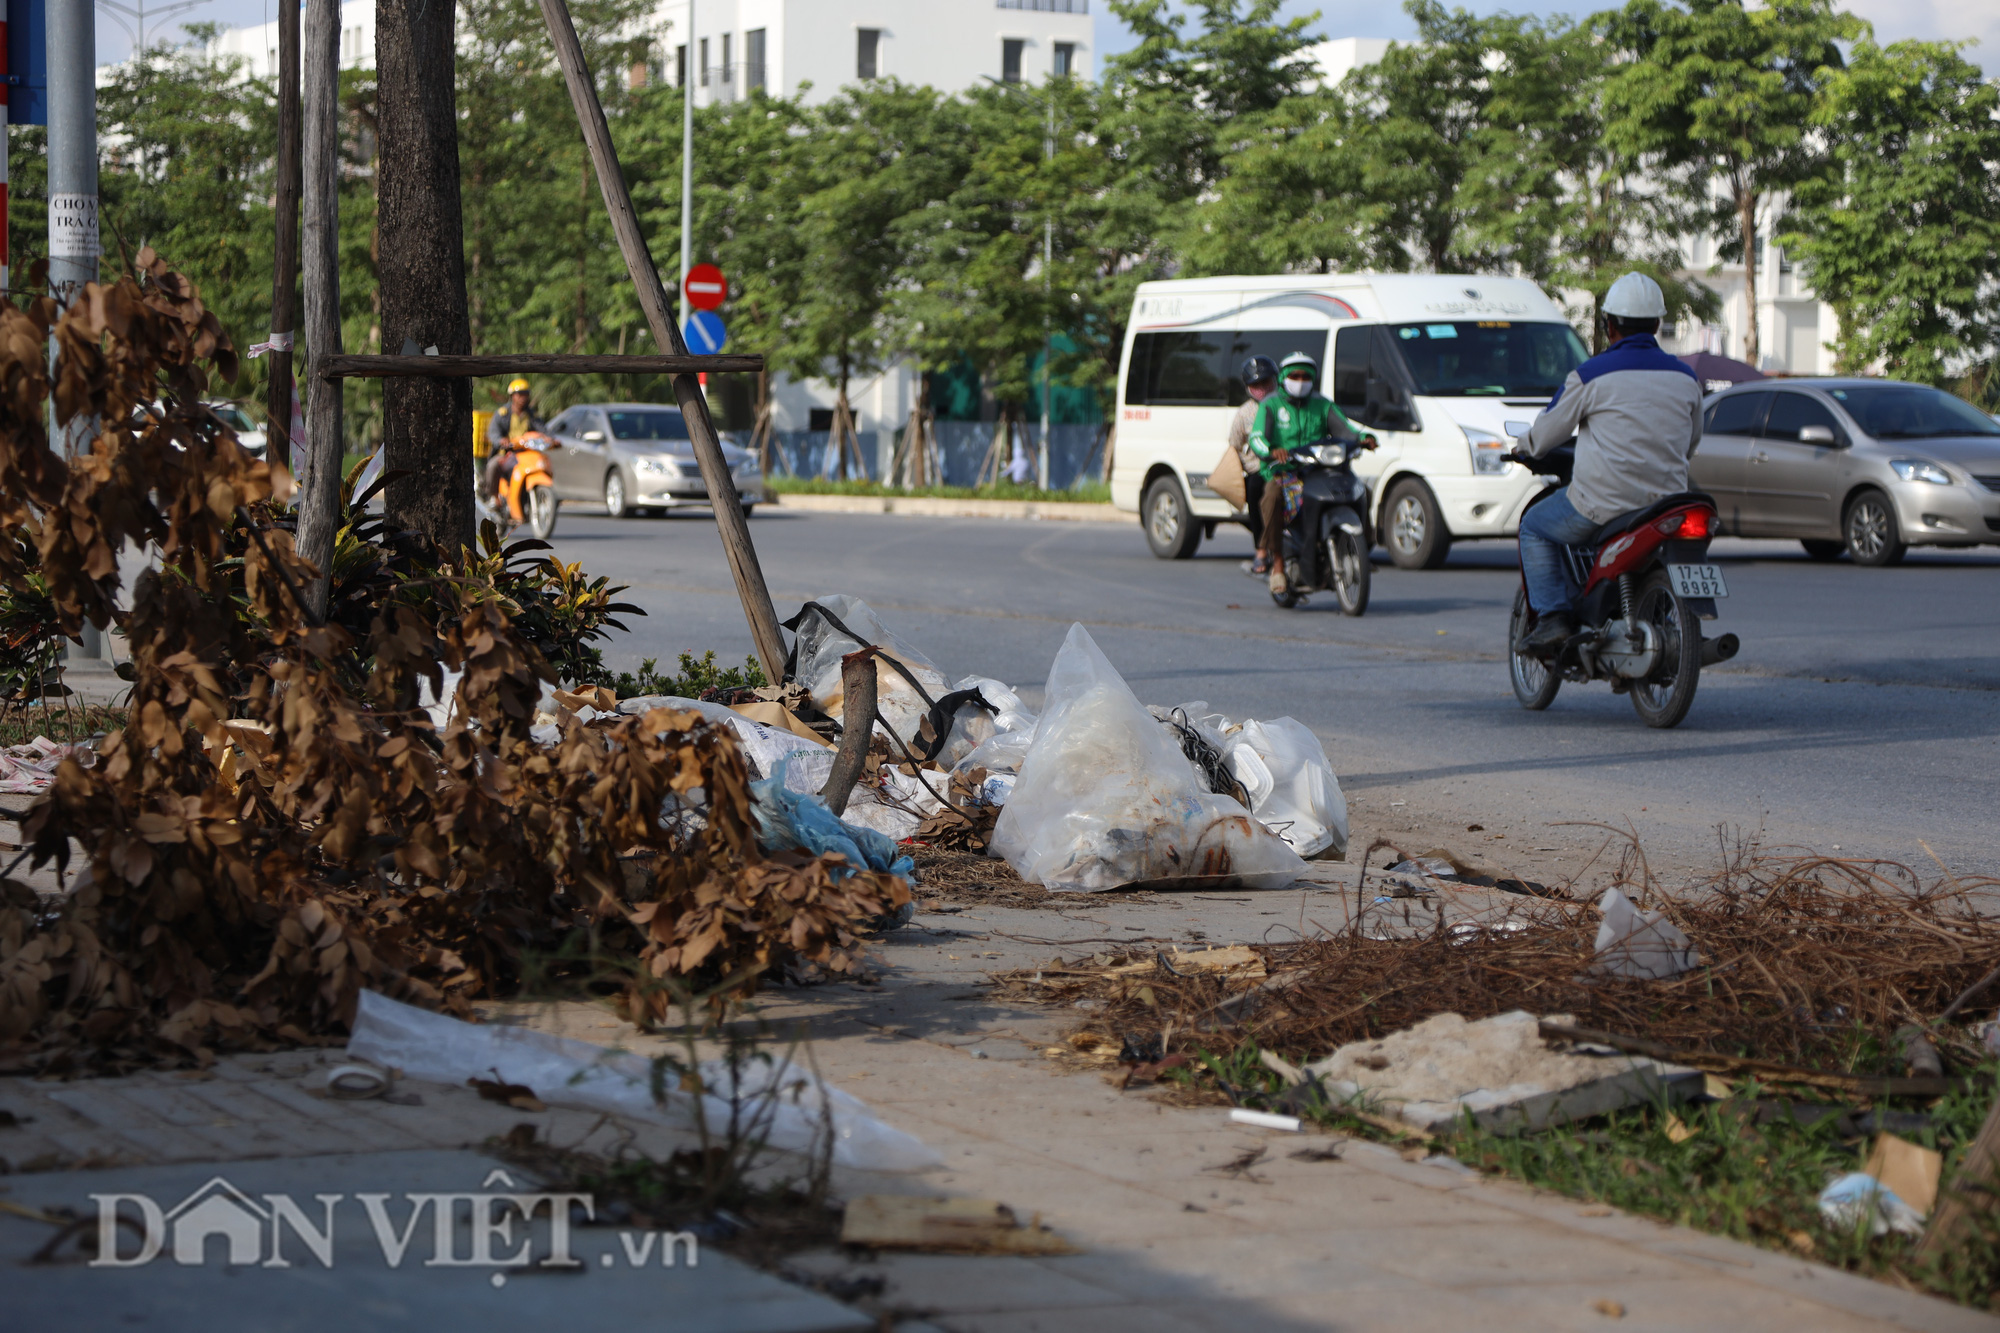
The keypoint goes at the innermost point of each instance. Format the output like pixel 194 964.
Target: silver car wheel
pixel 1407 523
pixel 1165 520
pixel 614 495
pixel 1868 528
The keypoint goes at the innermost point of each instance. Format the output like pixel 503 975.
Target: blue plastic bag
pixel 788 819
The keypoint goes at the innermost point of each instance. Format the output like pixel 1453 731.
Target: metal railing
pixel 1048 6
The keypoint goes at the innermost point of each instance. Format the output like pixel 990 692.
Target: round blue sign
pixel 704 333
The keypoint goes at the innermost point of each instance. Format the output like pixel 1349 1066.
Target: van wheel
pixel 1170 526
pixel 1413 529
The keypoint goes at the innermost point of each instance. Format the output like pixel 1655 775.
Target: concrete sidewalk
pixel 1172 1237
pixel 916 506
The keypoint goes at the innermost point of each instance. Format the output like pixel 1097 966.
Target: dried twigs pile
pixel 281 823
pixel 1809 962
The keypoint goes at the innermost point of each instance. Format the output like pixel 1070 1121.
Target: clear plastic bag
pixel 1106 798
pixel 820 647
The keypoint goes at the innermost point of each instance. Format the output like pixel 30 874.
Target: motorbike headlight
pixel 1489 451
pixel 1920 469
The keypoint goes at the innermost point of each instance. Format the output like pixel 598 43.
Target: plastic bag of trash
pixel 793 1104
pixel 793 819
pixel 1645 945
pixel 1105 796
pixel 992 710
pixel 763 746
pixel 835 625
pixel 1856 1197
pixel 1291 784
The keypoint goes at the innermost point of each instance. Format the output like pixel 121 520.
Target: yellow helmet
pixel 518 386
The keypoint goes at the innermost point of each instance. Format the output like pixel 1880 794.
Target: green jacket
pixel 1284 423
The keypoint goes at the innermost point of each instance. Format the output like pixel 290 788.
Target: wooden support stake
pixel 370 366
pixel 722 494
pixel 1969 1193
pixel 278 397
pixel 857 722
pixel 319 470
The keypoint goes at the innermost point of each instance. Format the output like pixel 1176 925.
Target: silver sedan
pixel 1869 467
pixel 635 457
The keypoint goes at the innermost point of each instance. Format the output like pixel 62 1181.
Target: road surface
pixel 1863 714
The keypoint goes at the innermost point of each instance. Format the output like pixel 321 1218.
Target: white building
pixel 783 46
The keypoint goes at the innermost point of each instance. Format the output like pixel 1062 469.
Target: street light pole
pixel 1048 265
pixel 73 244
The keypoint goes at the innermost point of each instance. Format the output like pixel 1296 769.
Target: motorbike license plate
pixel 1698 581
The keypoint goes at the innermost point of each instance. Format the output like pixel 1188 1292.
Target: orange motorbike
pixel 529 491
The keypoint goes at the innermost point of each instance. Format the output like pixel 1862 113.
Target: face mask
pixel 1299 388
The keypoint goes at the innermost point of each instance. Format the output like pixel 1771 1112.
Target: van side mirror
pixel 1392 416
pixel 1816 435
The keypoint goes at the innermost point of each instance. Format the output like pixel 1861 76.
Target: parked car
pixel 635 457
pixel 1443 371
pixel 1869 467
pixel 248 433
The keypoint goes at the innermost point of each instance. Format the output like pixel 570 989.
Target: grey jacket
pixel 1636 415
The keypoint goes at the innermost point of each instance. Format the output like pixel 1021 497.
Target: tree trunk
pixel 916 439
pixel 997 453
pixel 1746 213
pixel 427 423
pixel 319 471
pixel 285 255
pixel 762 438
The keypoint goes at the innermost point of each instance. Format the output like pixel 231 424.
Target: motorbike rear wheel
pixel 542 506
pixel 1535 681
pixel 1663 698
pixel 1347 563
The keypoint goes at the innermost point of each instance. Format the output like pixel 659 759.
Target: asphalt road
pixel 1862 715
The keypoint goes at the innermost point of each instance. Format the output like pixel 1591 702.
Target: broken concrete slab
pixel 293 1244
pixel 1498 1070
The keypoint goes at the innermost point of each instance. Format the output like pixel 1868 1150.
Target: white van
pixel 1442 369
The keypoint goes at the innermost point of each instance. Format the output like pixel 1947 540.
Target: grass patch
pixel 59 721
pixel 1709 1165
pixel 1092 492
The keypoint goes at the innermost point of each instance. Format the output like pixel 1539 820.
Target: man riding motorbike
pixel 1260 378
pixel 1636 414
pixel 515 419
pixel 1283 423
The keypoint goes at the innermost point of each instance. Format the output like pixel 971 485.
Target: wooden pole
pixel 857 728
pixel 1967 1196
pixel 278 397
pixel 319 473
pixel 722 494
pixel 370 366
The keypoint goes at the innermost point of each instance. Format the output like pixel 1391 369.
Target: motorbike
pixel 1647 586
pixel 1327 542
pixel 528 495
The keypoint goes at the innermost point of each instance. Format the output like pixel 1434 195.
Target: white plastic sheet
pixel 1645 945
pixel 820 648
pixel 1105 797
pixel 564 1072
pixel 763 745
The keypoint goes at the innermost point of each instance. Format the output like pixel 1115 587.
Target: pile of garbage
pixel 1096 792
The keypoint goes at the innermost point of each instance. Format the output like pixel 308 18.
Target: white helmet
pixel 1635 296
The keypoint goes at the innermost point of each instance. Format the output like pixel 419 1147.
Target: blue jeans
pixel 1549 526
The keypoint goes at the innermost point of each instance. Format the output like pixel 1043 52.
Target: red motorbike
pixel 1647 586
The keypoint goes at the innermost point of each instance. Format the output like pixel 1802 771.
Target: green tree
pixel 1724 95
pixel 1902 236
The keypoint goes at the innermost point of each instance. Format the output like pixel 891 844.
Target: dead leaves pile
pixel 281 824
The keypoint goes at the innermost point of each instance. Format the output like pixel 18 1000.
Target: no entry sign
pixel 706 288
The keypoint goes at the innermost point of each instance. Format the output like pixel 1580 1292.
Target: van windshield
pixel 1489 358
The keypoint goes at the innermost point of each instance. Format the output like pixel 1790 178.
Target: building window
pixel 753 58
pixel 1010 60
pixel 1065 59
pixel 819 418
pixel 681 65
pixel 703 53
pixel 725 57
pixel 868 53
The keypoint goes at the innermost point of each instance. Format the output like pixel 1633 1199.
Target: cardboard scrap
pixel 778 718
pixel 1910 1170
pixel 954 1226
pixel 1234 960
